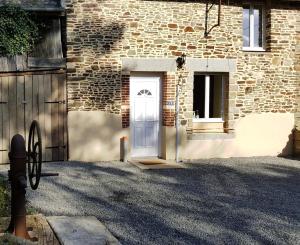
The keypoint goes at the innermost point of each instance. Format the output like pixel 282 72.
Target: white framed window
pixel 208 98
pixel 253 27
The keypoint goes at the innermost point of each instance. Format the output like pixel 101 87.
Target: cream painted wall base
pixel 266 134
pixel 94 136
pixel 168 143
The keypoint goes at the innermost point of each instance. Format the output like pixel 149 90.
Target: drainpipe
pixel 177 120
pixel 180 62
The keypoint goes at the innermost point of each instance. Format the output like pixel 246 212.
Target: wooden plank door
pixel 34 97
pixel 12 112
pixel 20 106
pixel 28 97
pixel 4 120
pixel 57 106
pixel 49 108
pixel 29 104
pixel 5 125
pixel 12 107
pixel 48 121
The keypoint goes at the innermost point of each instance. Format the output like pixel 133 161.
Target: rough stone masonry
pixel 101 33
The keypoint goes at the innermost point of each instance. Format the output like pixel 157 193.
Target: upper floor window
pixel 253 27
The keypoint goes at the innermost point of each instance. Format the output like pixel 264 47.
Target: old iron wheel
pixel 34 155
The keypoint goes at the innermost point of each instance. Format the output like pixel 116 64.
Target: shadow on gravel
pixel 262 204
pixel 203 204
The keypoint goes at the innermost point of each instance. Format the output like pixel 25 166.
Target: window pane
pixel 246 26
pixel 257 13
pixel 199 96
pixel 215 100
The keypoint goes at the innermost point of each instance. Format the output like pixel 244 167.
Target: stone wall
pixel 297 114
pixel 100 33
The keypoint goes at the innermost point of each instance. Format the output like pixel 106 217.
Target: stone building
pixel 237 90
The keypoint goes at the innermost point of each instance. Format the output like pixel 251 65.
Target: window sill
pixel 248 49
pixel 208 127
pixel 211 136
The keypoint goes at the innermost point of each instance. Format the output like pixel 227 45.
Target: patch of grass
pixel 9 239
pixel 6 238
pixel 30 210
pixel 4 198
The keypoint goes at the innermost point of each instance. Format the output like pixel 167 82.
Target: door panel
pixel 150 137
pixel 29 104
pixel 12 106
pixel 31 97
pixel 48 123
pixel 5 120
pixel 62 116
pixel 1 122
pixel 138 131
pixel 20 113
pixel 151 110
pixel 41 109
pixel 145 115
pixel 54 118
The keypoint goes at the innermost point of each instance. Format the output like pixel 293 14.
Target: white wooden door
pixel 145 116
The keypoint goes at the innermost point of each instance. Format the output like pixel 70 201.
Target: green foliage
pixel 18 30
pixel 4 198
pixel 10 239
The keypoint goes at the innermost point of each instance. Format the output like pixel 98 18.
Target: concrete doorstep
pixel 78 230
pixel 155 163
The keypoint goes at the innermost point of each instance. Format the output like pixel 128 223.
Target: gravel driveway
pixel 216 201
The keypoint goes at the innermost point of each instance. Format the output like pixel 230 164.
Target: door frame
pixel 142 75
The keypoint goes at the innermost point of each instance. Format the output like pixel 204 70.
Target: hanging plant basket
pixel 18 30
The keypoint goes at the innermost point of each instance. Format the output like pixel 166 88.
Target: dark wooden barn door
pixel 28 97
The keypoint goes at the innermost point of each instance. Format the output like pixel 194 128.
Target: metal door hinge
pixel 56 102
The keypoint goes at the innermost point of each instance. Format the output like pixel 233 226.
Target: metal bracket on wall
pixel 209 6
pixel 56 102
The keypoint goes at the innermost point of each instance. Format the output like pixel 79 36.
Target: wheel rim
pixel 34 155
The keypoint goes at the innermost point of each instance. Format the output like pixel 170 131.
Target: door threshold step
pixel 155 163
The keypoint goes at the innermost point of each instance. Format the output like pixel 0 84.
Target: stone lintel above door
pixel 148 64
pixel 169 65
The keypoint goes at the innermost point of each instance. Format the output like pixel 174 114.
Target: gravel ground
pixel 215 201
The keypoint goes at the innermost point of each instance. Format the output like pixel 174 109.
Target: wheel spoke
pixel 32 142
pixel 35 170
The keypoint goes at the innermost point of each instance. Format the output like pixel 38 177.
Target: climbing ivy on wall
pixel 18 30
